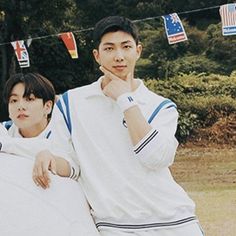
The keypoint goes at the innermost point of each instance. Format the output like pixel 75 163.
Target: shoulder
pixel 154 99
pixel 83 91
pixel 12 129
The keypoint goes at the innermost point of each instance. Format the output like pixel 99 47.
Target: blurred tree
pixel 203 52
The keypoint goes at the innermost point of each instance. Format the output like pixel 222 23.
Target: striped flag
pixel 21 53
pixel 174 29
pixel 228 18
pixel 69 40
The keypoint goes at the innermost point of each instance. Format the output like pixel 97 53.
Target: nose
pixel 21 105
pixel 119 57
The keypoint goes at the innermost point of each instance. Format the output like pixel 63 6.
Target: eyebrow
pixel 110 43
pixel 13 94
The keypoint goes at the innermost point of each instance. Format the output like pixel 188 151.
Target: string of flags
pixel 173 27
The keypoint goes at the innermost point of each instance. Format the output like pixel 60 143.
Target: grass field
pixel 209 176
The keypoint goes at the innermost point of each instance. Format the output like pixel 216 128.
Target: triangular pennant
pixel 228 18
pixel 21 53
pixel 69 40
pixel 174 29
pixel 28 42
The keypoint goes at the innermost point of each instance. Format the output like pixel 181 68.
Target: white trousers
pixel 191 229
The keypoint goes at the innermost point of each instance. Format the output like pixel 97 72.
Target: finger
pixel 45 177
pixel 40 183
pixel 108 73
pixel 35 175
pixel 40 176
pixel 53 167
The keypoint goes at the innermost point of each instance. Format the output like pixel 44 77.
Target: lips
pixel 22 116
pixel 119 67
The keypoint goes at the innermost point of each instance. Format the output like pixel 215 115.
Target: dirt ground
pixel 208 174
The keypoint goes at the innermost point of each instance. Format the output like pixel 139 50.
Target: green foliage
pixel 201 99
pixel 206 50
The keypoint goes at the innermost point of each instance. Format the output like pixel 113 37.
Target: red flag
pixel 21 53
pixel 69 40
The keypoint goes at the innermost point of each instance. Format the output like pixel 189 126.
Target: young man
pixel 28 211
pixel 124 138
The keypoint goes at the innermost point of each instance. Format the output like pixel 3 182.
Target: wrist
pixel 74 172
pixel 126 101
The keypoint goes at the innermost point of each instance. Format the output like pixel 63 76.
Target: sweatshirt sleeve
pixel 157 149
pixel 27 147
pixel 61 142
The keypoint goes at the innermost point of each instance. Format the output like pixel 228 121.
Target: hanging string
pixel 134 21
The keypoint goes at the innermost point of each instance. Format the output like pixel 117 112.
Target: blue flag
pixel 174 29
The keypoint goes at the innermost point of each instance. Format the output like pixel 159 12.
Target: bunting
pixel 228 18
pixel 174 29
pixel 21 53
pixel 173 26
pixel 69 40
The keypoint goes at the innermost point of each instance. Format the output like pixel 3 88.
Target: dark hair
pixel 113 24
pixel 34 84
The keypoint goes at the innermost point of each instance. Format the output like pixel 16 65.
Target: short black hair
pixel 113 24
pixel 34 83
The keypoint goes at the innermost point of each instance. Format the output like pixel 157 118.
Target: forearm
pixel 137 125
pixel 62 167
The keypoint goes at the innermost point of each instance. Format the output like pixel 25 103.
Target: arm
pixel 60 159
pixel 45 161
pixel 157 149
pixel 154 142
pixel 121 90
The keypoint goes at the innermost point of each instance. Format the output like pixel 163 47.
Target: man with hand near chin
pixel 124 139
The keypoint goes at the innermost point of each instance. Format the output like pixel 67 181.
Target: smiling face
pixel 29 114
pixel 118 53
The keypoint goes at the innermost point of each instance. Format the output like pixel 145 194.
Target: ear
pixel 48 107
pixel 139 49
pixel 96 56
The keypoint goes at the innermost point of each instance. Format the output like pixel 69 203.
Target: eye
pixel 108 49
pixel 30 98
pixel 127 46
pixel 12 100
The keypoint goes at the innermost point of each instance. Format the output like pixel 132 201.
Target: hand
pixel 44 163
pixel 116 86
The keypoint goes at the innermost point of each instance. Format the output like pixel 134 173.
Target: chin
pixel 122 76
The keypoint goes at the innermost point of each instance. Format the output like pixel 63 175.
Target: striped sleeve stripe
pixel 146 226
pixel 63 106
pixel 74 174
pixel 146 141
pixel 7 124
pixel 161 106
pixel 48 134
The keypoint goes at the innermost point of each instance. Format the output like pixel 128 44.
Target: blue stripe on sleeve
pixel 162 104
pixel 67 115
pixel 7 124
